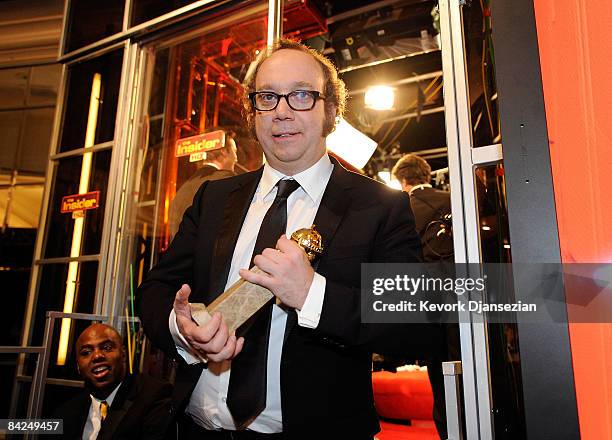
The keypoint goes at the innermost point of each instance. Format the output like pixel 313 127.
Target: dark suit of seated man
pixel 115 405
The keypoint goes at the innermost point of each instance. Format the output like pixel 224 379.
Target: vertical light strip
pixel 129 341
pixel 275 13
pixel 270 39
pixel 77 233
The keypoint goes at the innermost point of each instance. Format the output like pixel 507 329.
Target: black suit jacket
pixel 140 410
pixel 325 372
pixel 184 196
pixel 429 206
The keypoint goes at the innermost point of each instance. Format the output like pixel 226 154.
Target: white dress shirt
pixel 207 405
pixel 94 419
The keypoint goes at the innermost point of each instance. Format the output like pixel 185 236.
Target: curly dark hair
pixel 334 89
pixel 412 169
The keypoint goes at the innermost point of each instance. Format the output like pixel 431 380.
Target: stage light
pixel 351 144
pixel 380 98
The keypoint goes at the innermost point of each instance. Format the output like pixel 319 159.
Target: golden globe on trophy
pixel 243 299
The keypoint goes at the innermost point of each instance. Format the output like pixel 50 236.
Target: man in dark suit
pixel 316 368
pixel 429 205
pixel 115 405
pixel 218 164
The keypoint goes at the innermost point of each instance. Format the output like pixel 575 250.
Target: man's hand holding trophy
pixel 243 299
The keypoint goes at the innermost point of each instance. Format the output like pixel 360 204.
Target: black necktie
pixel 246 397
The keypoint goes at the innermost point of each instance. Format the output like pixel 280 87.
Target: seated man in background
pixel 115 405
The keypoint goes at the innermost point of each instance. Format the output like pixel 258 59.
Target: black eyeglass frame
pixel 314 93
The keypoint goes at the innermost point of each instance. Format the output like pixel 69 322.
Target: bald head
pixel 99 328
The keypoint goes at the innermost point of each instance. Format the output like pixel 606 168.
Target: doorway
pixel 434 63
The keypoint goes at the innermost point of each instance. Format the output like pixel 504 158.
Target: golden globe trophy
pixel 243 299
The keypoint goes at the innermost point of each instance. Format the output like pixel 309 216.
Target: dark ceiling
pixel 389 43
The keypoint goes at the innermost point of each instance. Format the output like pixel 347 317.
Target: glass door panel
pixel 503 339
pixel 480 67
pixel 492 388
pixel 191 98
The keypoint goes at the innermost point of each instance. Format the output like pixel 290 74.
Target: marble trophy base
pixel 237 304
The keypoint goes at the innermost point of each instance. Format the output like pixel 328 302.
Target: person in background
pixel 218 164
pixel 115 404
pixel 431 207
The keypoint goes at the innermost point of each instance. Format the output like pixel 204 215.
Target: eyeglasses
pixel 299 100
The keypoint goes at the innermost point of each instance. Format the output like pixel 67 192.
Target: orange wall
pixel 575 44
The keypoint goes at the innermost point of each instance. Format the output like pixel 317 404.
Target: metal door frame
pixel 462 160
pixel 546 364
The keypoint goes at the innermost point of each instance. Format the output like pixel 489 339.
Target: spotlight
pixel 380 97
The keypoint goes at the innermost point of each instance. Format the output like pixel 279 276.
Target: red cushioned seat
pixel 405 396
pixel 393 431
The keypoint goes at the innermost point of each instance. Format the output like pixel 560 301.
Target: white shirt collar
pixel 210 164
pixel 421 186
pixel 108 400
pixel 312 180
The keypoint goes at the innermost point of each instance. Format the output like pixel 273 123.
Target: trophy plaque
pixel 243 299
